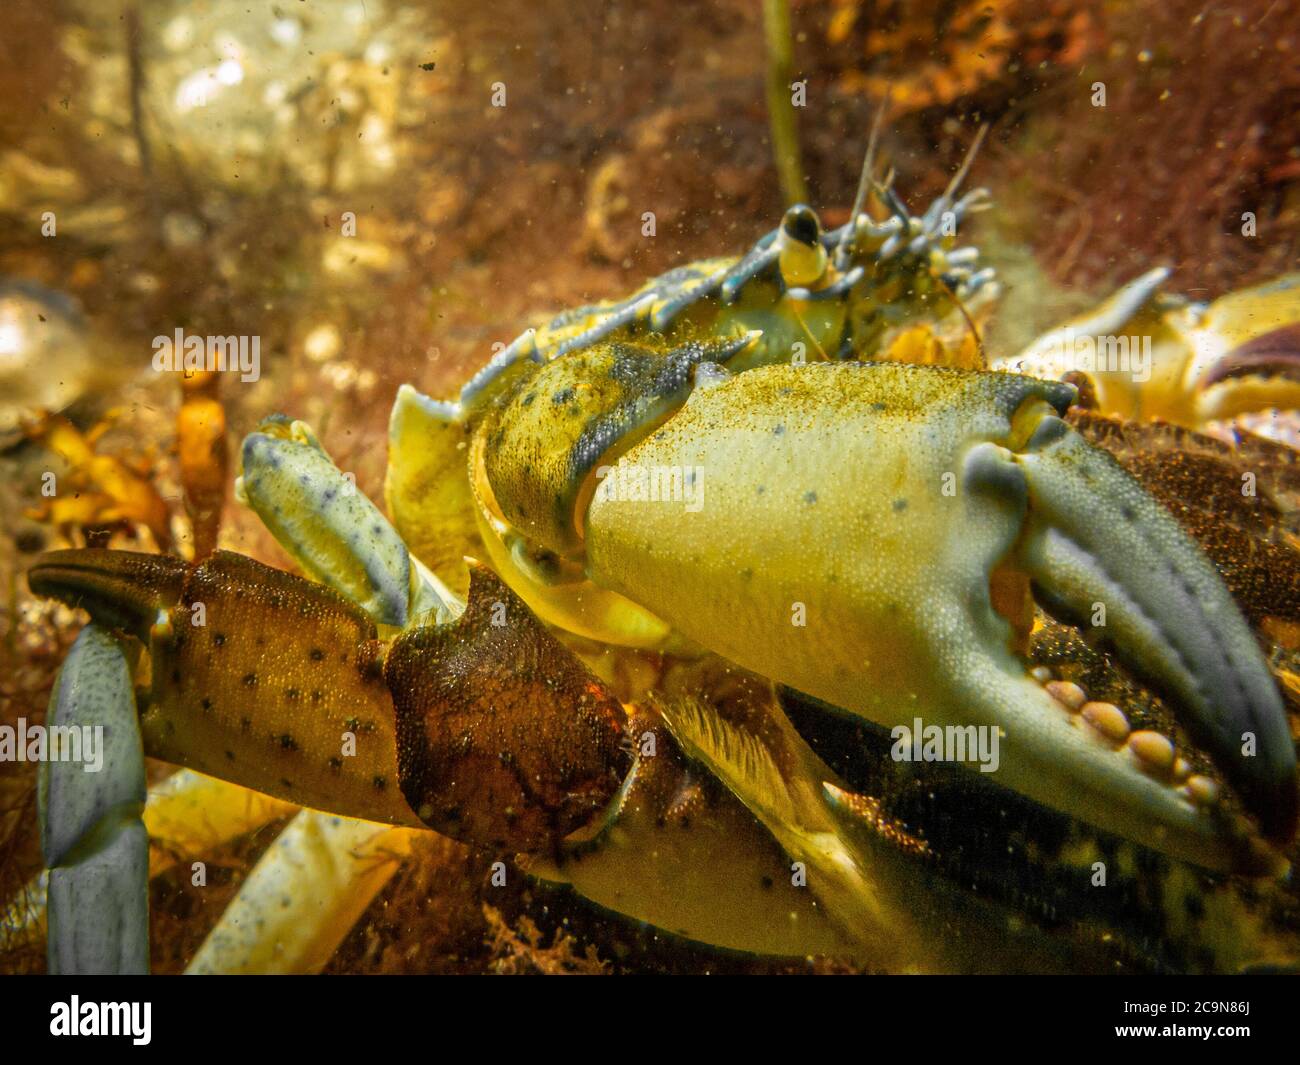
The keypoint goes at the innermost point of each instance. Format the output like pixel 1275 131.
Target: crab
pixel 693 540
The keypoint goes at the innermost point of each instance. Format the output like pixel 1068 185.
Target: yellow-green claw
pixel 878 582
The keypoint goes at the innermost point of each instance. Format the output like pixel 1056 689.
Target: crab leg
pixel 1149 356
pixel 882 526
pixel 333 530
pixel 94 844
pixel 330 868
pixel 873 879
pixel 494 734
pixel 1245 351
pixel 185 815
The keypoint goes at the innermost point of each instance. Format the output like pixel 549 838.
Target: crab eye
pixel 800 223
pixel 803 259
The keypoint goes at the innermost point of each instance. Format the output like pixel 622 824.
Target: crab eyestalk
pixel 803 259
pixel 863 527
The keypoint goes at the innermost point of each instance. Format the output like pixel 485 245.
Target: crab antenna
pixel 885 190
pixel 966 163
pixel 865 182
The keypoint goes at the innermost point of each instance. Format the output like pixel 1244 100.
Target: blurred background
pixel 381 190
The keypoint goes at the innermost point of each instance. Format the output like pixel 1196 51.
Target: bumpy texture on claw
pixel 276 683
pixel 1169 613
pixel 504 738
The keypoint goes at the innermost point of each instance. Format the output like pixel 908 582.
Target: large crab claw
pixel 870 534
pixel 483 727
pixel 253 675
